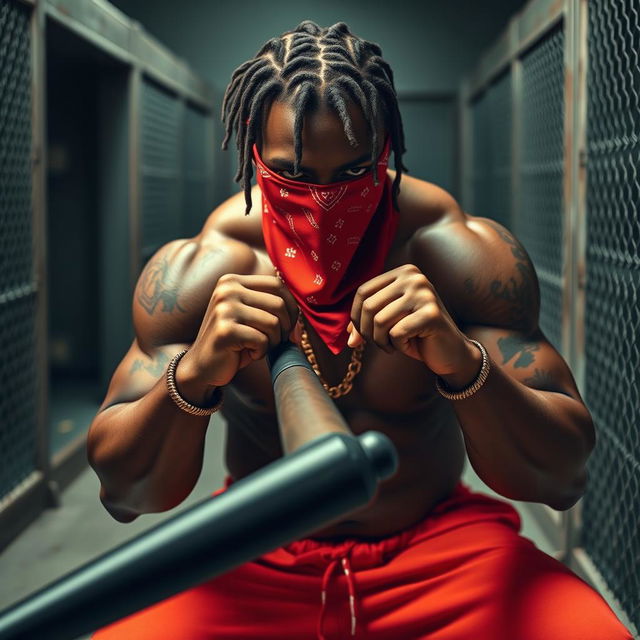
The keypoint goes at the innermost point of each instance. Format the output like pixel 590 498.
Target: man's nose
pixel 325 177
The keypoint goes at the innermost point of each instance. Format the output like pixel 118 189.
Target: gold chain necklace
pixel 352 370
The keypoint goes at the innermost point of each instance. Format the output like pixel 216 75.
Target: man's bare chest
pixel 390 389
pixel 390 395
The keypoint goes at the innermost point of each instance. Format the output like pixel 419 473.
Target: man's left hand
pixel 400 311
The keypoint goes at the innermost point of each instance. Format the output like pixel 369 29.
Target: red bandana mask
pixel 326 240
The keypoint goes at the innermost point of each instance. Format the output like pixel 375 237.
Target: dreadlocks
pixel 306 65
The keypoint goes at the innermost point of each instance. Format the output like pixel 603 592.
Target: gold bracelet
pixel 179 400
pixel 474 386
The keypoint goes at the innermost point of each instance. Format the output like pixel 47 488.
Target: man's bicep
pixel 501 306
pixel 161 323
pixel 175 287
pixel 169 303
pixel 527 357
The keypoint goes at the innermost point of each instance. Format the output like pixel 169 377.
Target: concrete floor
pixel 65 538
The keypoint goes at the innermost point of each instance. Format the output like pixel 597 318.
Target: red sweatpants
pixel 463 573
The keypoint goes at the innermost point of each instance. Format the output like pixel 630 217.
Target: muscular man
pixel 422 321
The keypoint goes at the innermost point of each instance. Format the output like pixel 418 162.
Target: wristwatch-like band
pixel 474 386
pixel 179 400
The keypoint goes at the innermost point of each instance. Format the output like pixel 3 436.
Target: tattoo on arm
pixel 155 287
pixel 520 292
pixel 154 367
pixel 516 248
pixel 540 379
pixel 523 352
pixel 470 286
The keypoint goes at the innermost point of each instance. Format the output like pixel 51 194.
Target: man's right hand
pixel 246 316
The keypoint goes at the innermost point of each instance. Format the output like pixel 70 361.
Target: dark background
pixel 429 45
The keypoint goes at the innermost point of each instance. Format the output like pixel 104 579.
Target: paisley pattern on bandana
pixel 326 240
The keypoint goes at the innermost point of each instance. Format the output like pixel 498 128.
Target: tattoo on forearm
pixel 523 352
pixel 519 293
pixel 156 287
pixel 154 367
pixel 540 379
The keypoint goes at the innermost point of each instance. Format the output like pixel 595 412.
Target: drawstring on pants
pixel 346 567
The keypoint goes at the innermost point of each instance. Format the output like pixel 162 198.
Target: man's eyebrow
pixel 284 163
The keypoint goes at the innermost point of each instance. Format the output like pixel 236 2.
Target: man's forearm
pixel 147 453
pixel 524 443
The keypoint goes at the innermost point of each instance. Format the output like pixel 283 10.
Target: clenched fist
pixel 400 310
pixel 246 316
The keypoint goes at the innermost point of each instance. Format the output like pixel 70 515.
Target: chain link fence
pixel 197 171
pixel 540 214
pixel 611 507
pixel 161 150
pixel 492 151
pixel 144 93
pixel 538 220
pixel 18 447
pixel 543 56
pixel 176 168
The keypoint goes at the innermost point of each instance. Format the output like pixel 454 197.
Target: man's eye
pixel 359 171
pixel 291 176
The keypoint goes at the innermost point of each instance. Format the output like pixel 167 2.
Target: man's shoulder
pixel 228 220
pixel 478 267
pixel 175 285
pixel 423 204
